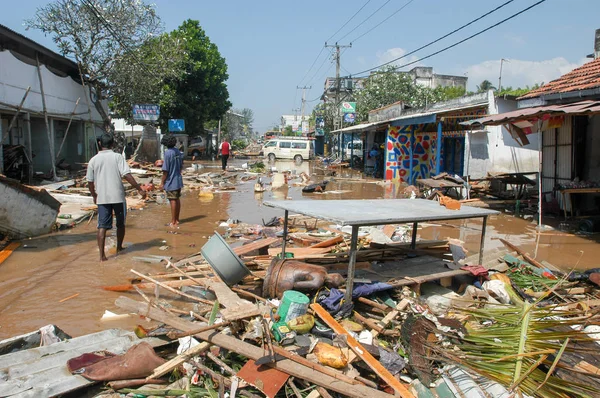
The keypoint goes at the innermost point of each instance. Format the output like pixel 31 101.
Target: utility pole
pixel 337 83
pixel 500 76
pixel 303 107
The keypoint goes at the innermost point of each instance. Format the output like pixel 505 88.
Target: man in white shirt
pixel 104 175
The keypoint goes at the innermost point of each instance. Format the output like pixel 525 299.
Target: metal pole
pixel 29 147
pixel 48 133
pixel 482 243
pixel 438 162
pixel 14 119
pixel 68 127
pixel 410 165
pixel 541 174
pixel 285 232
pixel 413 242
pixel 351 265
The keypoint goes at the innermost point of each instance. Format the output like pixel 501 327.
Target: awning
pixel 576 108
pixel 358 127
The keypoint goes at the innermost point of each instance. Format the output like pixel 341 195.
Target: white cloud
pixel 518 73
pixel 393 53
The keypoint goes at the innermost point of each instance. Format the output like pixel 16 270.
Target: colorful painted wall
pixel 398 153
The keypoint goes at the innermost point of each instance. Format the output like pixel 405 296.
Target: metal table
pixel 359 213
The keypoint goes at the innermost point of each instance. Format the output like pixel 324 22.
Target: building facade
pixel 45 113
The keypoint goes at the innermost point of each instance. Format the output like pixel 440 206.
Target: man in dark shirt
pixel 172 181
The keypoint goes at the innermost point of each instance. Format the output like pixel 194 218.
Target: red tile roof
pixel 585 77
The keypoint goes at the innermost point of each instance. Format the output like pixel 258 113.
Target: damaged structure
pixel 46 114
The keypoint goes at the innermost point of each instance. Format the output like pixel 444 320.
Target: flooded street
pixel 36 278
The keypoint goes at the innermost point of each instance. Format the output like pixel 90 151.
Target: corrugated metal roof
pixel 585 77
pixel 576 108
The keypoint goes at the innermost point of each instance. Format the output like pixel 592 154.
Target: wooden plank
pixel 233 344
pixel 527 258
pixel 329 242
pixel 389 230
pixel 235 307
pixel 427 278
pixel 8 250
pixel 359 350
pixel 300 252
pixel 257 244
pixel 178 360
pixel 149 285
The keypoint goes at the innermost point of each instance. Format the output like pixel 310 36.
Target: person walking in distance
pixel 224 150
pixel 105 174
pixel 172 181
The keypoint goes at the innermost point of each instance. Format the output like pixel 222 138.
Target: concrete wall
pixel 494 150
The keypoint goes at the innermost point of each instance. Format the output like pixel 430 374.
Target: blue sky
pixel 269 45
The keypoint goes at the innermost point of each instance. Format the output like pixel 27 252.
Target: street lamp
pixel 500 76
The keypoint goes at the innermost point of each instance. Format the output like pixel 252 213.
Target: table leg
pixel 351 264
pixel 285 232
pixel 482 243
pixel 413 242
pixel 564 198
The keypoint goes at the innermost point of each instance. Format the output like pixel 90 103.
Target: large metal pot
pixel 230 268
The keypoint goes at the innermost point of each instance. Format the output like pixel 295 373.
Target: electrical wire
pixel 311 66
pixel 365 20
pixel 312 79
pixel 454 31
pixel 348 21
pixel 382 22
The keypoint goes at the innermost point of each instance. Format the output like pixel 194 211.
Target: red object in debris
pixel 158 163
pixel 148 187
pixel 265 378
pixel 475 270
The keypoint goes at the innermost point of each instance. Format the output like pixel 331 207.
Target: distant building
pixel 293 120
pixel 421 75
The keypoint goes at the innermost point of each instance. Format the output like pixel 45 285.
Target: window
pixel 271 144
pixel 298 145
pixel 283 144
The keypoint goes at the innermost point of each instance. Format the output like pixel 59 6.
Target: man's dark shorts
pixel 173 195
pixel 105 215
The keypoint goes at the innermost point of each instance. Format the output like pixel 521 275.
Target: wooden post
pixel 14 118
pixel 29 147
pixel 48 132
pixel 351 264
pixel 67 131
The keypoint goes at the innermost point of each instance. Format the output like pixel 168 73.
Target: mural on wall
pixel 398 153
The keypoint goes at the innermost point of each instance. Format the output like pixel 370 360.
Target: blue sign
pixel 349 117
pixel 146 112
pixel 176 125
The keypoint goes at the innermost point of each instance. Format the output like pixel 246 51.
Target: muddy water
pixel 34 280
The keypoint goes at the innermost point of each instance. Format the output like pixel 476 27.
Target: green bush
pixel 239 144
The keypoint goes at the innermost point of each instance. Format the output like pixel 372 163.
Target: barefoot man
pixel 104 175
pixel 172 181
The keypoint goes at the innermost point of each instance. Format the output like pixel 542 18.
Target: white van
pixel 289 148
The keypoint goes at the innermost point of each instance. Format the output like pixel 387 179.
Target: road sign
pixel 176 125
pixel 305 127
pixel 348 107
pixel 349 117
pixel 146 112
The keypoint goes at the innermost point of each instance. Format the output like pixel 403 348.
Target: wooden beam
pixel 362 353
pixel 257 244
pixel 328 243
pixel 526 256
pixel 233 344
pixel 8 250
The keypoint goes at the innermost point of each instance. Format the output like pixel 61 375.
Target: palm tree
pixel 485 86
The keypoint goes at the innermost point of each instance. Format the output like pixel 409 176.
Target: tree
pixel 166 58
pixel 201 95
pixel 288 132
pixel 485 86
pixel 247 120
pixel 517 92
pixel 99 35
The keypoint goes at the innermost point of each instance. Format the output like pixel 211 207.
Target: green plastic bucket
pixel 293 304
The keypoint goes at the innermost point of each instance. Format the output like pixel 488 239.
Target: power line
pixel 365 20
pixel 348 21
pixel 333 35
pixel 311 66
pixel 312 79
pixel 454 31
pixel 382 22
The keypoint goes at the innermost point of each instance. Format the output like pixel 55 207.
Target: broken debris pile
pixel 511 326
